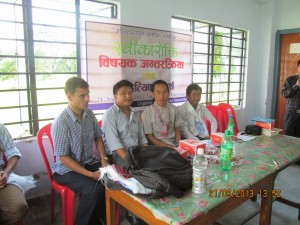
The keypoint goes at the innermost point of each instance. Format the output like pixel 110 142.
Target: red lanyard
pixel 159 118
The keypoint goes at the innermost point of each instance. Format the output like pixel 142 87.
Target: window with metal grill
pixel 39 51
pixel 219 55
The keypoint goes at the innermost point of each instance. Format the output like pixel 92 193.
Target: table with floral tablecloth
pixel 262 156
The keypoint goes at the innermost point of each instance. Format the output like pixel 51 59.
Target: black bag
pixel 253 129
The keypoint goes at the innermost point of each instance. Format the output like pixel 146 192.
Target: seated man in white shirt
pixel 195 115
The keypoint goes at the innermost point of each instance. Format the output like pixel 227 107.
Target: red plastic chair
pixel 67 195
pixel 232 111
pixel 221 116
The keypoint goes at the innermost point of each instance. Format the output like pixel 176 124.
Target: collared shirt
pixel 291 92
pixel 7 145
pixel 153 126
pixel 74 138
pixel 191 117
pixel 121 132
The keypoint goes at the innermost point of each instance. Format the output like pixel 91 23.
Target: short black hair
pixel 121 83
pixel 159 82
pixel 192 87
pixel 73 83
pixel 298 62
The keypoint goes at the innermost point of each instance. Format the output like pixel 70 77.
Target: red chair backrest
pixel 228 106
pixel 221 116
pixel 46 130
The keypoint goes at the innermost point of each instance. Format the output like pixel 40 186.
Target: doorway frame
pixel 276 66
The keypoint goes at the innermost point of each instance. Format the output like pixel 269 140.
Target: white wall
pixel 287 14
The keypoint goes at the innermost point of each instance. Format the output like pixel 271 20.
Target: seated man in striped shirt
pixel 74 132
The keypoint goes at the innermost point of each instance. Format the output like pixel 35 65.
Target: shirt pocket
pixel 134 127
pixel 123 129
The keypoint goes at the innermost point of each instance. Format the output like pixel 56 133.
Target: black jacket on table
pixel 160 168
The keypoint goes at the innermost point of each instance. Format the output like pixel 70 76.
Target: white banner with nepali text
pixel 140 55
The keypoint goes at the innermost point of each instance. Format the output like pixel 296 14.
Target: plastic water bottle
pixel 230 125
pixel 199 171
pixel 226 151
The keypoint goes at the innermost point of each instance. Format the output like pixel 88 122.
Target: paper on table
pixel 245 137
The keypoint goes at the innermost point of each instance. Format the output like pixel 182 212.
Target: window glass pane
pixel 235 69
pixel 55 65
pixel 224 60
pixel 235 61
pixel 180 24
pixel 12 30
pixel 95 9
pixel 235 103
pixel 220 78
pixel 200 48
pixel 233 95
pixel 236 52
pixel 234 86
pixel 55 49
pixel 45 33
pixel 11 13
pixel 56 96
pixel 224 31
pixel 199 58
pixel 12 81
pixel 202 27
pixel 8 65
pixel 218 97
pixel 200 37
pixel 51 111
pixel 237 34
pixel 52 80
pixel 235 78
pixel 221 69
pixel 15 115
pixel 200 68
pixel 237 43
pixel 221 50
pixel 13 98
pixel 204 90
pixel 199 78
pixel 58 18
pixel 56 5
pixel 225 41
pixel 19 130
pixel 12 47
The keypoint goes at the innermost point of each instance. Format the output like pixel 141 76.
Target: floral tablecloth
pixel 261 157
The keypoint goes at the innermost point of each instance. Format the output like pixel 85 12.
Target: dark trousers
pixel 292 123
pixel 92 196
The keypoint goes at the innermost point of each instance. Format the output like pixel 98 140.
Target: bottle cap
pixel 200 151
pixel 231 116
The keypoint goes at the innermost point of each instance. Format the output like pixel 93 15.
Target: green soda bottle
pixel 226 151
